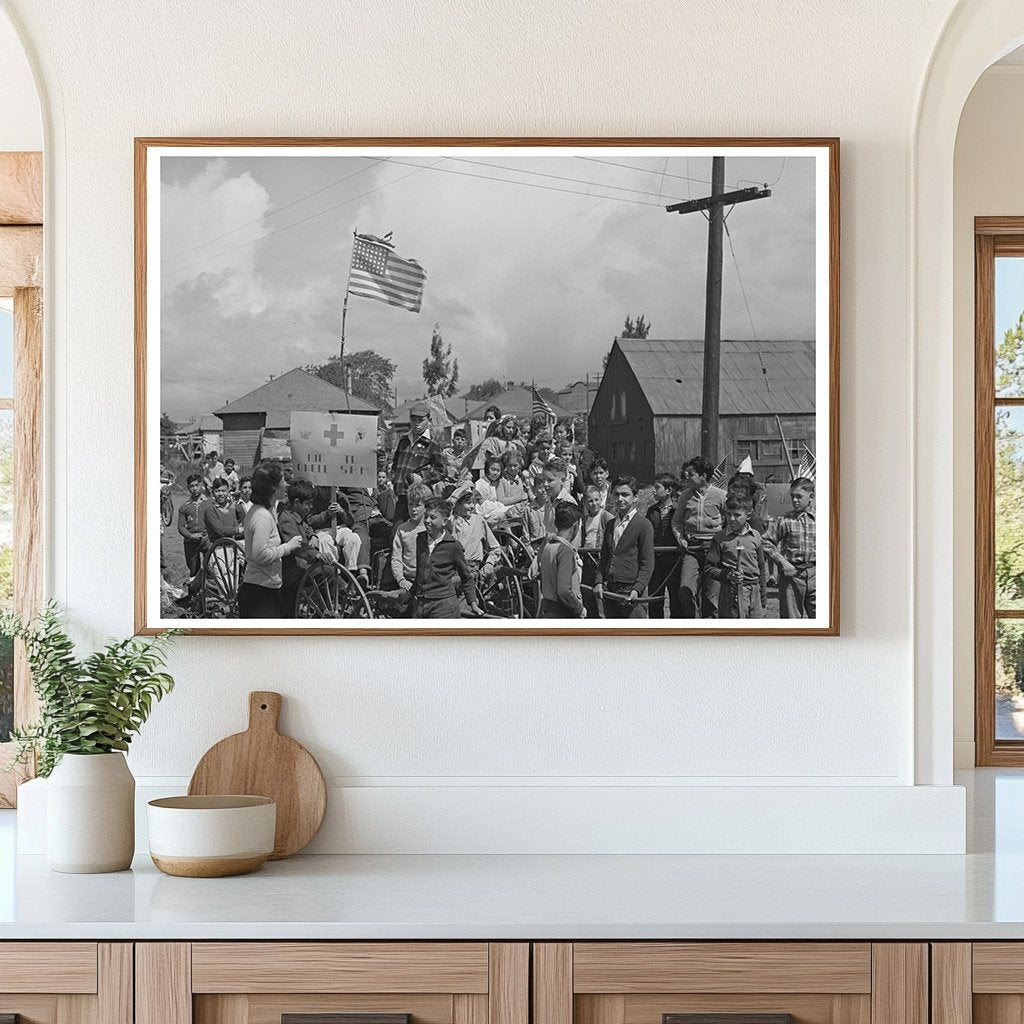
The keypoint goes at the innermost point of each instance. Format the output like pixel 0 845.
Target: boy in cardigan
pixel 560 568
pixel 667 564
pixel 790 542
pixel 627 556
pixel 440 561
pixel 219 516
pixel 736 558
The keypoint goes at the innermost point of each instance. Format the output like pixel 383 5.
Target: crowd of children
pixel 684 548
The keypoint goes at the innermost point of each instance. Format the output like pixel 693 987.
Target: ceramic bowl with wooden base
pixel 211 836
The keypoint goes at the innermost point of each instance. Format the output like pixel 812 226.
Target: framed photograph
pixel 499 386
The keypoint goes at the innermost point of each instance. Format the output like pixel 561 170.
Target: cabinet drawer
pixel 730 983
pixel 65 967
pixel 332 983
pixel 635 967
pixel 340 967
pixel 66 982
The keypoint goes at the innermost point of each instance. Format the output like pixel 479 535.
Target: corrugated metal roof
pixel 453 406
pixel 296 391
pixel 671 374
pixel 515 401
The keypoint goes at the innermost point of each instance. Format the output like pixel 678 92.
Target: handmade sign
pixel 334 449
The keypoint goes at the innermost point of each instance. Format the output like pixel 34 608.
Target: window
pixel 618 451
pixel 746 447
pixel 622 404
pixel 632 451
pixel 999 491
pixel 21 364
pixel 770 451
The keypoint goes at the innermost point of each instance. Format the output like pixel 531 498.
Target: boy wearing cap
pixel 419 459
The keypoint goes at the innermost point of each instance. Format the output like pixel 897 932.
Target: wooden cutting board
pixel 262 762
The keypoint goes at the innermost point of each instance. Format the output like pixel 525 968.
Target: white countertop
pixel 977 896
pixel 516 897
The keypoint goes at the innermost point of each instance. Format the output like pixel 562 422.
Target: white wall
pixel 428 717
pixel 988 182
pixel 21 127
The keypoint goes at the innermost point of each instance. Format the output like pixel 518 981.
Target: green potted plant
pixel 89 710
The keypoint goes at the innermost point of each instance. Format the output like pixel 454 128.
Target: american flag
pixel 540 407
pixel 721 472
pixel 377 272
pixel 808 464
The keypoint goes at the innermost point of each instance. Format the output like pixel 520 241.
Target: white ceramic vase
pixel 90 814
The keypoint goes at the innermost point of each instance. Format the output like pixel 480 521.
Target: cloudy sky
pixel 532 263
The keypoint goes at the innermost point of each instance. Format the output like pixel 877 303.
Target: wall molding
pixel 620 819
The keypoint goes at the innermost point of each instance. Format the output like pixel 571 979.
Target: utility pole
pixel 714 205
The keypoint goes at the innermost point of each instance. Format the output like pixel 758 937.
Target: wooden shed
pixel 264 415
pixel 646 416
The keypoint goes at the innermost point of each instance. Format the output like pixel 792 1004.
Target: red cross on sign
pixel 333 435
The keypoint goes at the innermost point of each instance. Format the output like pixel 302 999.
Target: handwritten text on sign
pixel 334 449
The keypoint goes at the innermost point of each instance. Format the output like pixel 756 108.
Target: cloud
pixel 208 224
pixel 526 282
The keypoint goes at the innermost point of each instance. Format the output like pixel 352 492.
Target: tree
pixel 488 389
pixel 638 328
pixel 167 425
pixel 440 371
pixel 371 373
pixel 1009 504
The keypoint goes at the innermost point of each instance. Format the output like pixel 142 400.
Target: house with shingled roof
pixel 257 424
pixel 646 415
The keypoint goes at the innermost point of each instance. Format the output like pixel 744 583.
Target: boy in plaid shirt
pixel 790 543
pixel 419 459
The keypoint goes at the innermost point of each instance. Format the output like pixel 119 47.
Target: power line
pixel 276 210
pixel 530 184
pixel 419 167
pixel 646 170
pixel 545 174
pixel 753 331
pixel 313 216
pixel 194 387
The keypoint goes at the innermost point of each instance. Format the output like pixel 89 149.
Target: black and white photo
pixel 469 386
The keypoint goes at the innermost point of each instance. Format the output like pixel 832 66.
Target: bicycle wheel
pixel 331 592
pixel 222 575
pixel 501 593
pixel 521 561
pixel 166 508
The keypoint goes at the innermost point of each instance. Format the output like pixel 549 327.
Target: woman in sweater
pixel 259 596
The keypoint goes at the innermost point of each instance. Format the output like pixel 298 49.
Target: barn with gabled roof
pixel 646 416
pixel 258 422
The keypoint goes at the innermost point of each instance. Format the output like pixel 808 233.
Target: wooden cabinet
pixel 66 982
pixel 755 982
pixel 306 982
pixel 979 982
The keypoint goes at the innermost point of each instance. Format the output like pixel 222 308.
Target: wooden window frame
pixel 21 278
pixel 993 237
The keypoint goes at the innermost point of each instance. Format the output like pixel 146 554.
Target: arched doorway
pixel 977 33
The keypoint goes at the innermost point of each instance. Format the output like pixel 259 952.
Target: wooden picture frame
pixel 812 165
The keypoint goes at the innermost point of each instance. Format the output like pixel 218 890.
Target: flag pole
pixel 344 317
pixel 785 447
